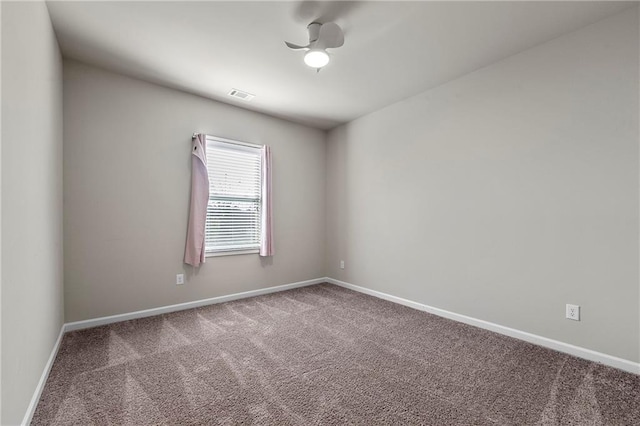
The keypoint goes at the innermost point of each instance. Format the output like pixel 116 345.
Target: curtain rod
pixel 231 141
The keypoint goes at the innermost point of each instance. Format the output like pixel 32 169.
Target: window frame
pixel 240 251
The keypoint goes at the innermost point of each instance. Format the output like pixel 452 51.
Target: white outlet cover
pixel 342 264
pixel 573 312
pixel 179 279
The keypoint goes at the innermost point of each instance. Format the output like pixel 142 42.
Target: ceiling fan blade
pixel 330 36
pixel 295 46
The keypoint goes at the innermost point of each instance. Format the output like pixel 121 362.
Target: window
pixel 234 208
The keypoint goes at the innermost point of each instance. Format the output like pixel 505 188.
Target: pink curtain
pixel 194 250
pixel 266 222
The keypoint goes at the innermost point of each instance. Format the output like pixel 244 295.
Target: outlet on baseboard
pixel 179 279
pixel 573 312
pixel 342 264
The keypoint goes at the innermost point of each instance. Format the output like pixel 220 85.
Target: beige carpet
pixel 323 355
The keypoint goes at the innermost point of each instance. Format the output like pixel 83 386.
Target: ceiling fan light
pixel 316 58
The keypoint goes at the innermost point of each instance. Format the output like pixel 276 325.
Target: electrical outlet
pixel 179 279
pixel 342 264
pixel 573 312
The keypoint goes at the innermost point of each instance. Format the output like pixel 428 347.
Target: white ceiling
pixel 392 49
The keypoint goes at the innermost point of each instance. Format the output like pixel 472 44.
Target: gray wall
pixel 127 182
pixel 505 194
pixel 32 305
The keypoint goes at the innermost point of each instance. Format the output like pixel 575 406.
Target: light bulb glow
pixel 316 58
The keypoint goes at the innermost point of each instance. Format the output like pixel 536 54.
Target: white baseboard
pixel 95 322
pixel 612 361
pixel 31 409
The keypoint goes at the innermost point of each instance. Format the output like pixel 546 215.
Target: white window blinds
pixel 233 212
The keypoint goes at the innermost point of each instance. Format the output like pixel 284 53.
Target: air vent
pixel 245 96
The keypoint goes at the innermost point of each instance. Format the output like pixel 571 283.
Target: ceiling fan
pixel 321 37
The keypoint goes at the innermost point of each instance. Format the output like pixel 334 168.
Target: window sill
pixel 231 252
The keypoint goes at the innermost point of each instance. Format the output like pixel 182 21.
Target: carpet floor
pixel 323 355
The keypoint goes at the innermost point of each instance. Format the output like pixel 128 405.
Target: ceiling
pixel 392 50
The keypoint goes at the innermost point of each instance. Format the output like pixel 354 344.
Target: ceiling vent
pixel 245 96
